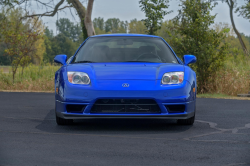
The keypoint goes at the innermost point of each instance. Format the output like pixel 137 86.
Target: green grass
pixel 221 96
pixel 213 95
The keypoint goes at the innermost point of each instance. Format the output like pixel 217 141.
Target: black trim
pixel 125 106
pixel 157 116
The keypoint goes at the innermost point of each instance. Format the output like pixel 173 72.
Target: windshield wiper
pixel 84 62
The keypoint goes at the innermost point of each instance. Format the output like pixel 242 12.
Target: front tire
pixel 61 121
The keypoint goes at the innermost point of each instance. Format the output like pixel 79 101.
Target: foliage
pixel 99 23
pixel 137 27
pixel 58 44
pixel 111 25
pixel 154 10
pixel 114 25
pixel 20 37
pixel 69 29
pixel 164 31
pixel 66 41
pixel 244 10
pixel 10 3
pixel 192 24
pixel 48 33
pixel 233 78
pixel 231 39
pixel 247 38
pixel 4 60
pixel 48 55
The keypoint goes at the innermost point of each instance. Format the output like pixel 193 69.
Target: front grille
pixel 175 108
pixel 75 108
pixel 125 106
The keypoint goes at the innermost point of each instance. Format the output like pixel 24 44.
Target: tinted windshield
pixel 125 49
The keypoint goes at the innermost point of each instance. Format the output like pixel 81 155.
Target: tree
pixel 69 29
pixel 83 14
pixel 233 4
pixel 4 60
pixel 235 52
pixel 98 23
pixel 48 33
pixel 192 25
pixel 163 32
pixel 20 37
pixel 64 26
pixel 137 27
pixel 123 27
pixel 59 44
pixel 48 55
pixel 245 10
pixel 66 45
pixel 154 10
pixel 112 25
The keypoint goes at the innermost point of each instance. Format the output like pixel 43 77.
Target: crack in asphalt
pixel 234 130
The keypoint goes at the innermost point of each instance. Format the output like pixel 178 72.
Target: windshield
pixel 125 49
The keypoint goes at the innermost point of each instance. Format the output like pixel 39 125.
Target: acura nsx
pixel 125 76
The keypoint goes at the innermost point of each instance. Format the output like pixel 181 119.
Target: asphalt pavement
pixel 29 136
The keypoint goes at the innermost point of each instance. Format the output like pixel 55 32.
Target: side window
pixel 80 52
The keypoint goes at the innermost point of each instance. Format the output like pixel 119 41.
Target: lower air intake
pixel 120 106
pixel 75 108
pixel 180 108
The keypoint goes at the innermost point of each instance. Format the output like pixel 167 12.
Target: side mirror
pixel 188 59
pixel 60 59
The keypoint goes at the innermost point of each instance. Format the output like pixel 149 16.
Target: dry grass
pixel 34 78
pixel 232 79
pixel 5 69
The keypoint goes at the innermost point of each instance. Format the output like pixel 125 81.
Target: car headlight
pixel 172 78
pixel 78 78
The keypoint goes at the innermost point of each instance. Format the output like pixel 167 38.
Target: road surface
pixel 29 136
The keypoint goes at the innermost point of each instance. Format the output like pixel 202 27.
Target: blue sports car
pixel 125 76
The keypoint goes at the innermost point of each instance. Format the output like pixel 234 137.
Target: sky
pixel 130 9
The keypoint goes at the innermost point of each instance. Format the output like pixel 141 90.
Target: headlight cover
pixel 78 78
pixel 172 78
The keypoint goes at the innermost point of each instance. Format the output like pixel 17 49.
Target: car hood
pixel 124 71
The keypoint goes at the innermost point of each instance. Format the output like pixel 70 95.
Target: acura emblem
pixel 125 85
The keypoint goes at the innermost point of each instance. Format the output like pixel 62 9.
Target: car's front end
pixel 125 90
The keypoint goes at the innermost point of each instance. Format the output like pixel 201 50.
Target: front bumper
pixel 61 112
pixel 163 95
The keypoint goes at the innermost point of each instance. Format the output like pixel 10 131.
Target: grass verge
pixel 34 78
pixel 221 96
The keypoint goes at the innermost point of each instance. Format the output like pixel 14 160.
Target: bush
pixel 192 35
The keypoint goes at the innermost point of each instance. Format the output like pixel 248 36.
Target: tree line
pixel 192 31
